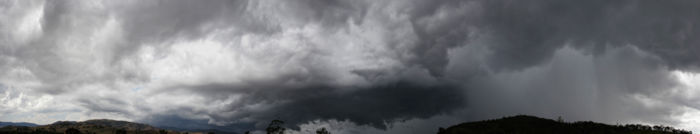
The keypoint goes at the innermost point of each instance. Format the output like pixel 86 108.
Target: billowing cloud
pixel 351 66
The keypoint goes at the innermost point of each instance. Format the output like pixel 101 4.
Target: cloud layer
pixel 352 66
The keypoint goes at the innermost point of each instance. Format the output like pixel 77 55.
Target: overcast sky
pixel 353 66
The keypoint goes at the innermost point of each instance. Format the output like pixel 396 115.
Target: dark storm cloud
pixel 386 102
pixel 621 85
pixel 620 69
pixel 519 34
pixel 175 122
pixel 373 106
pixel 527 32
pixel 435 38
pixel 238 64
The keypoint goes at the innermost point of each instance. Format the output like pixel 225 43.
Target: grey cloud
pixel 164 20
pixel 373 105
pixel 176 122
pixel 613 87
pixel 634 46
pixel 160 21
pixel 298 104
pixel 110 105
pixel 45 56
pixel 370 106
pixel 155 22
pixel 482 58
pixel 437 36
pixel 526 33
pixel 330 13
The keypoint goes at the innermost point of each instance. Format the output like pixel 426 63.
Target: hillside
pixel 522 124
pixel 2 124
pixel 100 126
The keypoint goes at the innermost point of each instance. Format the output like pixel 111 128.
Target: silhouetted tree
pixel 275 127
pixel 72 131
pixel 322 131
pixel 559 119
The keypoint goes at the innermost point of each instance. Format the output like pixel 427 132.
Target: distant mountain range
pixel 2 124
pixel 99 126
pixel 523 124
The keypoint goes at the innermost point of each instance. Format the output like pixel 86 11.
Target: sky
pixel 351 66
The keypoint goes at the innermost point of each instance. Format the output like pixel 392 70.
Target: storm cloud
pixel 351 66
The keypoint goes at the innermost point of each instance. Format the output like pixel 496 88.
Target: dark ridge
pixel 523 124
pixel 216 131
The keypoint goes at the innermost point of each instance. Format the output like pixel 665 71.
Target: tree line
pixel 276 127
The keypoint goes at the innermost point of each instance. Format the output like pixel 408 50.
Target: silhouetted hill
pixel 216 131
pixel 523 124
pixel 99 126
pixel 2 124
pixel 104 123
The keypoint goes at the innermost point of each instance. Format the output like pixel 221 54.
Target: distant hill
pixel 215 131
pixel 523 124
pixel 100 126
pixel 2 124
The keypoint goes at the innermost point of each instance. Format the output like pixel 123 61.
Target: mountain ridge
pixel 2 124
pixel 525 124
pixel 94 126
